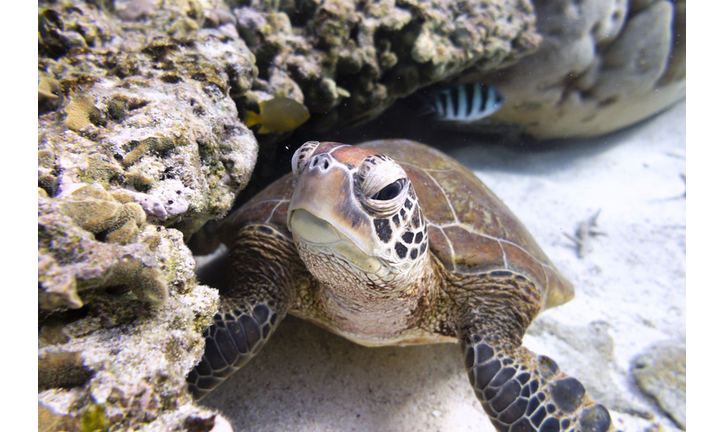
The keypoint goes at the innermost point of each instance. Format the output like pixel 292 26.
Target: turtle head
pixel 354 210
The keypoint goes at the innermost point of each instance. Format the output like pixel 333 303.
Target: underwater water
pixel 631 283
pixel 156 119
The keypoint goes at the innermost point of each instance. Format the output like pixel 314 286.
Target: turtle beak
pixel 310 229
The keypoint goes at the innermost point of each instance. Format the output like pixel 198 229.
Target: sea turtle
pixel 394 243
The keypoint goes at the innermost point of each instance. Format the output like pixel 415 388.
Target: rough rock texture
pixel 139 144
pixel 144 107
pixel 661 373
pixel 352 60
pixel 87 242
pixel 119 363
pixel 603 65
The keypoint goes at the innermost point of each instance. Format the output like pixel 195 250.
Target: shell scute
pixel 470 229
pixel 430 192
pixel 440 246
pixel 522 261
pixel 269 206
pixel 467 258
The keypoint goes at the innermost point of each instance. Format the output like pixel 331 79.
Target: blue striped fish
pixel 464 103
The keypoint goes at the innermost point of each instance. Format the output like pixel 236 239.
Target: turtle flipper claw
pixel 523 392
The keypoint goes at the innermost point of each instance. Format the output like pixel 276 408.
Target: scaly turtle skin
pixel 394 243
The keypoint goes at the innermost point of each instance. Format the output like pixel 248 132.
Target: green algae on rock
pixel 137 135
pixel 147 103
pixel 117 360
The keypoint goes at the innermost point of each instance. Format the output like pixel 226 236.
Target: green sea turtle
pixel 394 243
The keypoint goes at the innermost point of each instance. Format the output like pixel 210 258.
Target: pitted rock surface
pixel 139 144
pixel 660 372
pixel 144 107
pixel 352 60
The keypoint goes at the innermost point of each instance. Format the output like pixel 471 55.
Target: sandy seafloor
pixel 630 289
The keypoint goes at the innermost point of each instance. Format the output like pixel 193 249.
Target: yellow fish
pixel 276 115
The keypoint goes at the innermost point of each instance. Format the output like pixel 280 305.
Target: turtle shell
pixel 470 230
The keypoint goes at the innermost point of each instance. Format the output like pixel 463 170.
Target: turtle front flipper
pixel 521 391
pixel 236 335
pixel 262 262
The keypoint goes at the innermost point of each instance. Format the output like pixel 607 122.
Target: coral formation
pixel 148 102
pixel 603 65
pixel 660 371
pixel 122 365
pixel 50 95
pixel 139 144
pixel 95 210
pixel 136 9
pixel 351 60
pixel 61 370
pixel 120 326
pixel 81 112
pixel 87 243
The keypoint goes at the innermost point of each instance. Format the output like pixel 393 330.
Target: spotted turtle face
pixel 354 211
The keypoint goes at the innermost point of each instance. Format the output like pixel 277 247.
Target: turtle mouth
pixel 309 230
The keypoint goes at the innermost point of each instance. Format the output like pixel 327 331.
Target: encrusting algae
pixel 131 157
pixel 81 112
pixel 276 115
pixel 50 95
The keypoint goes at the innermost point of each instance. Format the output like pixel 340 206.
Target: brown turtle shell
pixel 470 230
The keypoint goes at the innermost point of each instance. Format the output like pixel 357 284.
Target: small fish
pixel 464 103
pixel 279 114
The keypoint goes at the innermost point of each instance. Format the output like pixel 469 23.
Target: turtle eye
pixel 390 191
pixel 381 185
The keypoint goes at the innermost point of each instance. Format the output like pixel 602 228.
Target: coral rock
pixel 95 210
pixel 136 9
pixel 137 136
pixel 73 263
pixel 50 94
pixel 603 65
pixel 661 373
pixel 81 112
pixel 59 288
pixel 61 370
pixel 118 361
pixel 149 106
pixel 349 61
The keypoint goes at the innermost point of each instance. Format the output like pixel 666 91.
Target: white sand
pixel 634 281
